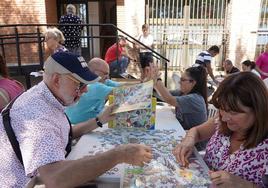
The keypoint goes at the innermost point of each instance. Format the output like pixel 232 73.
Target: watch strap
pixel 98 122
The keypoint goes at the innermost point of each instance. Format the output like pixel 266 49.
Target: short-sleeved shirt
pixel 148 41
pixel 71 33
pixel 90 103
pixel 113 52
pixel 204 58
pixel 42 130
pixel 262 63
pixel 191 110
pixel 247 163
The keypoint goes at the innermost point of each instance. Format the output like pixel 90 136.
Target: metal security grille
pixel 262 33
pixel 183 28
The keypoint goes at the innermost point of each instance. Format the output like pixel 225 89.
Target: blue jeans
pixel 120 66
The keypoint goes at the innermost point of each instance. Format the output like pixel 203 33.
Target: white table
pixel 165 120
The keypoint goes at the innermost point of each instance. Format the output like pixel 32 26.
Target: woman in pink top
pixel 237 152
pixel 9 88
pixel 262 63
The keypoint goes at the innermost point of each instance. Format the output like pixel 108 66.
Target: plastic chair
pixel 176 79
pixel 266 82
pixel 212 110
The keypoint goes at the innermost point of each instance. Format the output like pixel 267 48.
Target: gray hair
pixel 55 33
pixel 228 61
pixel 70 9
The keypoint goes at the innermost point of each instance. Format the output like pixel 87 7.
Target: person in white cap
pixel 35 134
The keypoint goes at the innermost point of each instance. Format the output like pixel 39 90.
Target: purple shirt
pixel 42 130
pixel 249 164
pixel 262 63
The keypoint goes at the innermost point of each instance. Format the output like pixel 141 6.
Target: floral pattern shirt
pixel 42 131
pixel 249 164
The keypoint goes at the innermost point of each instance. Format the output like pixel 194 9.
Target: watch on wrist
pixel 98 122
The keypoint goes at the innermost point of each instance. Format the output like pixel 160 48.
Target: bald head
pixel 99 67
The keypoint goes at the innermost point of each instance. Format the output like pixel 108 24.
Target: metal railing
pixel 17 35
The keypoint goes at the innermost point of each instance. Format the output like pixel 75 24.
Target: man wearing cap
pixel 42 130
pixel 92 102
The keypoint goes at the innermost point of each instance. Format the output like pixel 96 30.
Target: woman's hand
pixel 222 179
pixel 184 150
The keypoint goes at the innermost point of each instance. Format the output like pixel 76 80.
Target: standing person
pixel 237 150
pixel 72 32
pixel 9 89
pixel 42 131
pixel 204 59
pixel 262 63
pixel 92 102
pixel 54 39
pixel 117 58
pixel 229 67
pixel 146 56
pixel 250 66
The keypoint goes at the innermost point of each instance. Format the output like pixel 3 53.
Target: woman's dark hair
pixel 249 63
pixel 248 90
pixel 199 75
pixel 3 67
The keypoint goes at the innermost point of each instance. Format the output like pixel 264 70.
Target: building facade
pixel 181 28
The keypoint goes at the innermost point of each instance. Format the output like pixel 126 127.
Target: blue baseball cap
pixel 69 63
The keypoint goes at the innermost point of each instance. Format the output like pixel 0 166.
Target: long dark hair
pixel 248 90
pixel 249 63
pixel 199 75
pixel 3 67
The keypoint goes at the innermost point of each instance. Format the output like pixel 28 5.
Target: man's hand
pixel 106 115
pixel 135 154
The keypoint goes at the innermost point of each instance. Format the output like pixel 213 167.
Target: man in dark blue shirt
pixel 72 33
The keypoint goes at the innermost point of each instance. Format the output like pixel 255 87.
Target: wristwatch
pixel 98 122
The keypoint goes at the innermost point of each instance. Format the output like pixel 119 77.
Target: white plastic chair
pixel 266 82
pixel 176 79
pixel 212 110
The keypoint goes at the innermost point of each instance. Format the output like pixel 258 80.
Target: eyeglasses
pixel 81 85
pixel 184 80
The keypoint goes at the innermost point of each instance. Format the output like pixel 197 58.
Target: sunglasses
pixel 81 85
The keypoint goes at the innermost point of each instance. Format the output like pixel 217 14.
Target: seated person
pixel 250 66
pixel 54 39
pixel 117 52
pixel 229 68
pixel 265 177
pixel 9 89
pixel 44 135
pixel 237 150
pixel 92 102
pixel 191 103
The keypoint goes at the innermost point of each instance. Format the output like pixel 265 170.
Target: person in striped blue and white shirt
pixel 204 59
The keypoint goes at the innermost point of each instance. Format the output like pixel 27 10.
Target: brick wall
pixel 25 12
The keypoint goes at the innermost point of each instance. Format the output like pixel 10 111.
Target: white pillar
pixel 244 19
